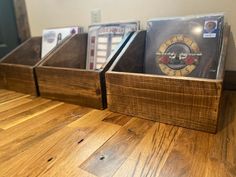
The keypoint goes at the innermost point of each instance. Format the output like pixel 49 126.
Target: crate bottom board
pixel 205 120
pixel 73 98
pixel 18 78
pixel 26 87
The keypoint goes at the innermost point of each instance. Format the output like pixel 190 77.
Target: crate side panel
pixel 164 84
pixel 18 78
pixel 74 86
pixel 131 58
pixel 26 54
pixel 71 54
pixel 196 110
pixel 197 100
pixel 2 78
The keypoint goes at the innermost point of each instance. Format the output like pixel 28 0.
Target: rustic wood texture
pixel 165 99
pixel 131 58
pixel 150 155
pixel 22 20
pixel 188 102
pixel 62 76
pixel 9 97
pixel 27 53
pixel 104 162
pixel 71 54
pixel 18 78
pixel 70 85
pixel 117 119
pixel 17 68
pixel 49 138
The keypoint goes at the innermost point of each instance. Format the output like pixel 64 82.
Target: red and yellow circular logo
pixel 178 56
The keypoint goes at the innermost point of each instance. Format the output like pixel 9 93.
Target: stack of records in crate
pixel 184 46
pixel 103 39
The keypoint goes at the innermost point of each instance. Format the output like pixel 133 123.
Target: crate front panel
pixel 187 103
pixel 18 78
pixel 74 86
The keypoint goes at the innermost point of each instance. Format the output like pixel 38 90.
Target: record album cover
pixel 54 36
pixel 103 39
pixel 184 46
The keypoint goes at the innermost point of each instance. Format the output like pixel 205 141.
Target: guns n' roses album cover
pixel 52 37
pixel 103 39
pixel 184 46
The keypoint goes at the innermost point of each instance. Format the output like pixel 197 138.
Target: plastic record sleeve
pixel 103 39
pixel 184 46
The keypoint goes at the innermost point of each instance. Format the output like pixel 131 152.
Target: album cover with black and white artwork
pixel 184 46
pixel 103 40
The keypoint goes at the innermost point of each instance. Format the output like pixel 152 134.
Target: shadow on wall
pixel 231 61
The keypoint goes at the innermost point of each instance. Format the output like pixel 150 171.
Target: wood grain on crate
pixel 62 76
pixel 61 140
pixel 183 101
pixel 165 100
pixel 70 85
pixel 17 68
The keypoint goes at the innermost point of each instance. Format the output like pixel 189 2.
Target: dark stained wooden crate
pixel 183 101
pixel 62 76
pixel 17 68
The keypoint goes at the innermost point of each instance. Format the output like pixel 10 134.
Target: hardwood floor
pixel 45 138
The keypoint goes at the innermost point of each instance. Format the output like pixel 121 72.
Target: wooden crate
pixel 188 102
pixel 17 68
pixel 62 76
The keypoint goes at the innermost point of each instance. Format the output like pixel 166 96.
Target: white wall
pixel 53 13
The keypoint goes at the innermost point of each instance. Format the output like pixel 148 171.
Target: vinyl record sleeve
pixel 103 39
pixel 54 36
pixel 184 46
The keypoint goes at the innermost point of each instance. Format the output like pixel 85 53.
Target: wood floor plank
pixel 15 102
pixel 207 155
pixel 86 148
pixel 35 130
pixel 150 155
pixel 69 140
pixel 30 113
pixel 3 91
pixel 222 157
pixel 72 173
pixel 188 156
pixel 118 119
pixel 107 159
pixel 24 107
pixel 6 92
pixel 31 125
pixel 10 96
pixel 98 133
pixel 55 149
pixel 16 165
